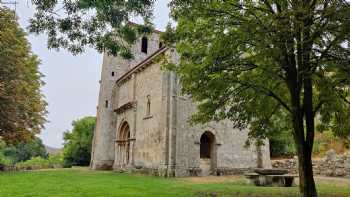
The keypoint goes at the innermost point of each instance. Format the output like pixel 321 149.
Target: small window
pixel 106 103
pixel 160 44
pixel 148 110
pixel 113 74
pixel 144 45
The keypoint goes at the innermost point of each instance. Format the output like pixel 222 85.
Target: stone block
pixel 331 155
pixel 339 172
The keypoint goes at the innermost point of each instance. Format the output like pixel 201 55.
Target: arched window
pixel 160 44
pixel 148 110
pixel 144 45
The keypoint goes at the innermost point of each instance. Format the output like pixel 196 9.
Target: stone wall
pixel 331 165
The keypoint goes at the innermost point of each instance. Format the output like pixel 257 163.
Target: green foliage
pixel 77 147
pixel 36 163
pixel 282 144
pixel 74 25
pixel 22 106
pixel 234 66
pixel 4 161
pixel 2 144
pixel 24 151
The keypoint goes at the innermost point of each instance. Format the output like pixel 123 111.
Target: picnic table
pixel 271 177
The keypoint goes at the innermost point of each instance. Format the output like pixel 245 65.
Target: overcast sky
pixel 72 86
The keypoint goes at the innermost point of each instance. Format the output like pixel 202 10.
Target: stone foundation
pixel 192 172
pixel 332 165
pixel 150 171
pixel 232 171
pixel 102 165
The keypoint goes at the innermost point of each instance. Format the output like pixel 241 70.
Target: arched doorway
pixel 123 144
pixel 207 153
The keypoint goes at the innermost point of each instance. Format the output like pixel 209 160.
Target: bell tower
pixel 103 145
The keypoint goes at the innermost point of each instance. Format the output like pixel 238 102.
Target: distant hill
pixel 52 151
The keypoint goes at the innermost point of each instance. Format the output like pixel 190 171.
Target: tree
pixel 22 106
pixel 74 25
pixel 260 63
pixel 77 147
pixel 24 151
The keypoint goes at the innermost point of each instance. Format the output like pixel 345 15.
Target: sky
pixel 72 87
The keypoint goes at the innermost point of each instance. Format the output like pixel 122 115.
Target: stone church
pixel 142 122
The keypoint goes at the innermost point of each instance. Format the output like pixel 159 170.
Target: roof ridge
pixel 143 62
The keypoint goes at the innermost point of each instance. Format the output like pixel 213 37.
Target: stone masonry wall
pixel 332 165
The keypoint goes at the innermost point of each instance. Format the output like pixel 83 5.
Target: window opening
pixel 144 45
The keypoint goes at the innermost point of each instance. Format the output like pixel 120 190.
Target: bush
pixel 4 161
pixel 56 161
pixel 36 163
pixel 33 164
pixel 25 150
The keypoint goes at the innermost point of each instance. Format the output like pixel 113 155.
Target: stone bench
pixel 285 180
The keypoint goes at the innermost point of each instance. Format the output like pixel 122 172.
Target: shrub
pixel 33 164
pixel 36 163
pixel 56 161
pixel 26 150
pixel 4 161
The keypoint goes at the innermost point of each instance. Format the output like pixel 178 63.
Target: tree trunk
pixel 306 179
pixel 304 147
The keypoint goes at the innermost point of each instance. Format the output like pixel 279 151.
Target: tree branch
pixel 267 92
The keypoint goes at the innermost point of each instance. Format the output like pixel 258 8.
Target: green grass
pixel 85 183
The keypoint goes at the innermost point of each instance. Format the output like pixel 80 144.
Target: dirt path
pixel 333 180
pixel 212 179
pixel 229 179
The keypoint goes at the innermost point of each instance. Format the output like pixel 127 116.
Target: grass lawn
pixel 85 183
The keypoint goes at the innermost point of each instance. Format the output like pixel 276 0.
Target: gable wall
pixel 150 133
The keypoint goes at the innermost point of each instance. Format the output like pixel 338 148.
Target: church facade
pixel 142 122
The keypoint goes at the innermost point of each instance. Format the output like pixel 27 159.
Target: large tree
pixel 103 25
pixel 262 63
pixel 22 106
pixel 78 142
